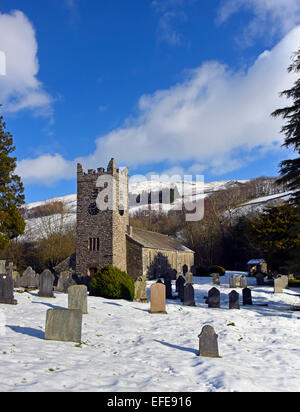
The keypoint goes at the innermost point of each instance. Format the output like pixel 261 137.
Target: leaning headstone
pixel 247 297
pixel 7 290
pixel 216 279
pixel 234 300
pixel 213 299
pixel 77 298
pixel 46 284
pixel 260 279
pixel 243 282
pixel 2 267
pixel 65 280
pixel 208 343
pixel 29 279
pixel 189 278
pixel 189 295
pixel 140 290
pixel 64 325
pixel 158 298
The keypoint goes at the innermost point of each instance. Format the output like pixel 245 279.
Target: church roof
pixel 153 240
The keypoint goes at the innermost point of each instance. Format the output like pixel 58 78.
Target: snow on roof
pixel 255 261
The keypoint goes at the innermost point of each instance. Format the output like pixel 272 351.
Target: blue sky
pixel 165 86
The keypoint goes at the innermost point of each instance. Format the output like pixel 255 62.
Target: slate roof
pixel 153 240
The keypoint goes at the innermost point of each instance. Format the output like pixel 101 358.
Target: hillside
pixel 41 216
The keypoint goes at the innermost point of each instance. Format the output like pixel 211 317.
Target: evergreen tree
pixel 290 169
pixel 276 231
pixel 11 191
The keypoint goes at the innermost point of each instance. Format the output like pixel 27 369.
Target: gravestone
pixel 46 284
pixel 232 282
pixel 216 279
pixel 65 280
pixel 260 279
pixel 285 281
pixel 2 267
pixel 237 281
pixel 213 299
pixel 140 290
pixel 7 290
pixel 280 284
pixel 243 282
pixel 180 278
pixel 189 295
pixel 234 300
pixel 168 285
pixel 63 325
pixel 180 282
pixel 247 297
pixel 189 278
pixel 208 343
pixel 158 298
pixel 77 298
pixel 10 269
pixel 29 279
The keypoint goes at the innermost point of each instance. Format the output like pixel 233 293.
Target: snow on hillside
pixel 192 191
pixel 259 204
pixel 125 349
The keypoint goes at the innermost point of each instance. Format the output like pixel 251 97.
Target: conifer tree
pixel 290 169
pixel 11 191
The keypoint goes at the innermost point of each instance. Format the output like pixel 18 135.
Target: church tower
pixel 102 218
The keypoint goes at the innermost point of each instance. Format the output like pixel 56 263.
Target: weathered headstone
pixel 158 298
pixel 77 298
pixel 234 300
pixel 243 282
pixel 280 283
pixel 189 295
pixel 260 279
pixel 65 280
pixel 208 343
pixel 29 279
pixel 2 267
pixel 216 279
pixel 10 269
pixel 46 284
pixel 238 281
pixel 213 299
pixel 247 297
pixel 232 282
pixel 64 325
pixel 7 290
pixel 140 290
pixel 189 278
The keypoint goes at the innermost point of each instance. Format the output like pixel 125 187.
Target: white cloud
pixel 20 88
pixel 215 120
pixel 46 169
pixel 269 17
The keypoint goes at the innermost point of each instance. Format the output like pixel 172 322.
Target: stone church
pixel 104 237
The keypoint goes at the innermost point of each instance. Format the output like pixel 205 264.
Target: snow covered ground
pixel 127 349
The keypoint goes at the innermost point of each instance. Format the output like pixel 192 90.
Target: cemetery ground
pixel 126 349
